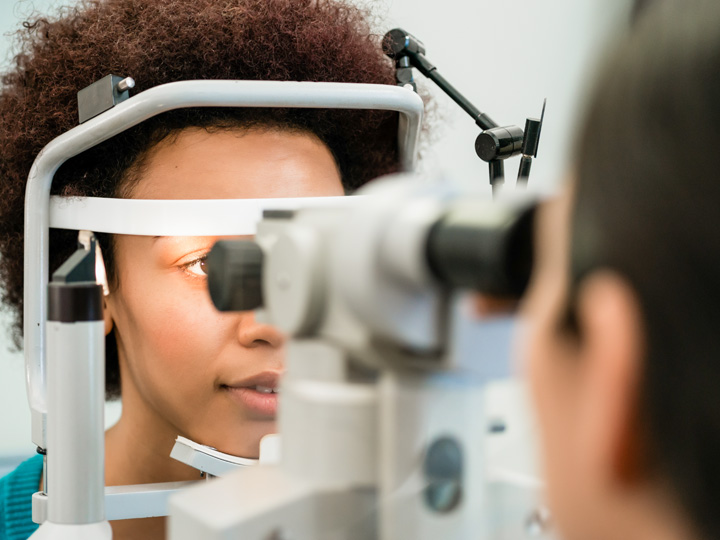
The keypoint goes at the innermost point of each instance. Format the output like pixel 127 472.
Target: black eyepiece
pixel 235 275
pixel 466 249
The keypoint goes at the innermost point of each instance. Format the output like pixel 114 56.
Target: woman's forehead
pixel 197 164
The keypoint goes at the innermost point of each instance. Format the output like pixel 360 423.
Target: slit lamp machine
pixel 387 425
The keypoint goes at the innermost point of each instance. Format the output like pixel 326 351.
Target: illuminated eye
pixel 198 267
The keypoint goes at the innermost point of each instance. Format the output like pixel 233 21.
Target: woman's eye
pixel 198 267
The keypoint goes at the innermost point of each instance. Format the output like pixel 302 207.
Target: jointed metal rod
pixel 481 119
pixel 430 71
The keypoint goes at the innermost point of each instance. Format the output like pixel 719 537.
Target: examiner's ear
pixel 612 358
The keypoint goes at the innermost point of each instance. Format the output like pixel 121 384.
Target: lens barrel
pixel 492 255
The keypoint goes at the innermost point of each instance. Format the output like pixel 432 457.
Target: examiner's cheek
pixel 533 357
pixel 532 369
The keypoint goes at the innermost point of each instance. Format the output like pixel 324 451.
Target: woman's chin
pixel 243 442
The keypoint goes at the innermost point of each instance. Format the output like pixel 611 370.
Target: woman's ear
pixel 612 351
pixel 107 316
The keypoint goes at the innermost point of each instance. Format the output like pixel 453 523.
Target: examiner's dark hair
pixel 648 206
pixel 162 41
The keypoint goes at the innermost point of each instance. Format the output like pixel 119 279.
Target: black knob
pixel 398 43
pixel 235 275
pixel 444 475
pixel 499 143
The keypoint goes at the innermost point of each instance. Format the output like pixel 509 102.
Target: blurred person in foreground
pixel 623 311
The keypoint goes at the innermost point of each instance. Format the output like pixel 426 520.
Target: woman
pixel 624 345
pixel 179 366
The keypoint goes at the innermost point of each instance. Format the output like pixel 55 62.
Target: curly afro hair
pixel 171 40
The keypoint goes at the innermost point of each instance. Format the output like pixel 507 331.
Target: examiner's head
pixel 625 327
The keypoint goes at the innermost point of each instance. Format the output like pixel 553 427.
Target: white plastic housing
pixel 76 397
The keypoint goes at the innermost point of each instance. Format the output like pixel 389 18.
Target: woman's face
pixel 186 368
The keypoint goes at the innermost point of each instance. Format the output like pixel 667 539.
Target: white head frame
pixel 137 109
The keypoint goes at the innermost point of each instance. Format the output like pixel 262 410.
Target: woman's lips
pixel 258 394
pixel 258 402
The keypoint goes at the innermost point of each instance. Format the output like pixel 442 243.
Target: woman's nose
pixel 252 334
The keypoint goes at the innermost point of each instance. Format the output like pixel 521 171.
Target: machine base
pixel 57 531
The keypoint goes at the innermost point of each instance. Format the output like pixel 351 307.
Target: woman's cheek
pixel 177 322
pixel 185 323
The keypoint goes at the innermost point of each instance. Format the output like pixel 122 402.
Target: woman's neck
pixel 137 448
pixel 137 451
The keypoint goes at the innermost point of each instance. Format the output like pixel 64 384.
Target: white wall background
pixel 504 55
